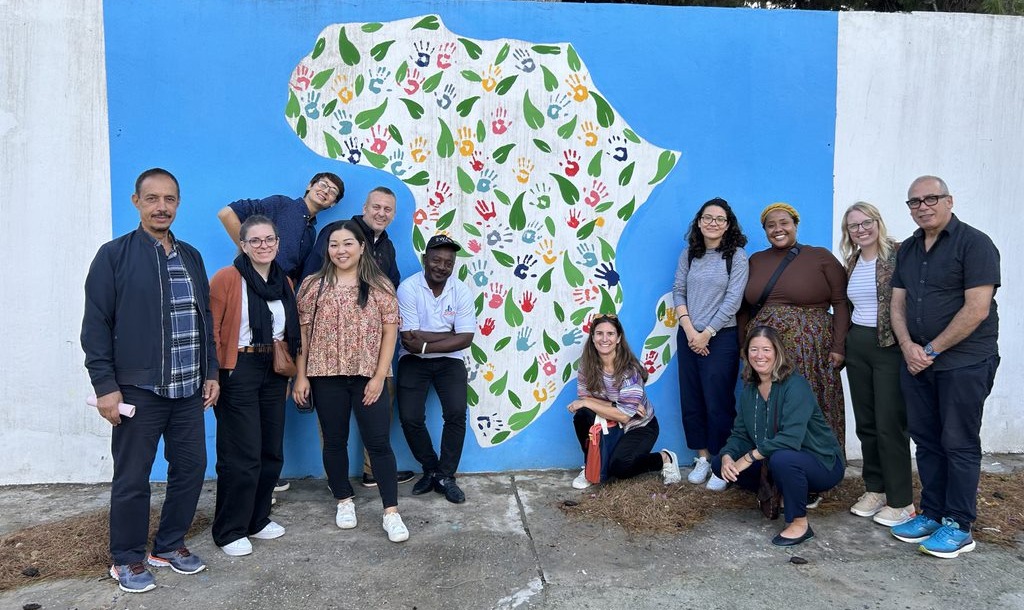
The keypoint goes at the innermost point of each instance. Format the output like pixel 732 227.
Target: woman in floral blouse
pixel 348 313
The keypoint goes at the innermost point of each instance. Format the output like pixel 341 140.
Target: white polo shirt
pixel 421 310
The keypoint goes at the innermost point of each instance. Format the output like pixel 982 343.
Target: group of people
pixel 159 336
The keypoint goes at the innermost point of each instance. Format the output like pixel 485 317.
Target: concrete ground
pixel 509 546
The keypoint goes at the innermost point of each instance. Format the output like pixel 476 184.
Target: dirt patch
pixel 645 505
pixel 66 549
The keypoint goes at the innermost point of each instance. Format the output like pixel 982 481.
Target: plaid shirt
pixel 184 348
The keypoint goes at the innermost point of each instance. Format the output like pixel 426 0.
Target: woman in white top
pixel 873 363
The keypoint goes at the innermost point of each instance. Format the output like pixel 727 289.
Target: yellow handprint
pixel 546 250
pixel 490 78
pixel 489 373
pixel 417 148
pixel 543 391
pixel 466 145
pixel 577 87
pixel 525 168
pixel 670 317
pixel 344 93
pixel 589 133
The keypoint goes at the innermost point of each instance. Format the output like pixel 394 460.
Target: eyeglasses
pixel 327 186
pixel 929 200
pixel 256 242
pixel 708 219
pixel 865 225
pixel 604 316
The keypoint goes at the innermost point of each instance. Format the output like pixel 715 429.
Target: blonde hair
pixel 850 250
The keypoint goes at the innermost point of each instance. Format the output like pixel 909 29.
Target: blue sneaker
pixel 948 541
pixel 917 529
pixel 181 561
pixel 133 577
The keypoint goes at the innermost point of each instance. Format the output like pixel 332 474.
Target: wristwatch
pixel 930 351
pixel 710 330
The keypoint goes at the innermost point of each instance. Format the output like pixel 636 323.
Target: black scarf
pixel 274 288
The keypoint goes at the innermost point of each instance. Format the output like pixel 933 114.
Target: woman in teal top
pixel 779 422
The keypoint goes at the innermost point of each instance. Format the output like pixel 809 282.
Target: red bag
pixel 604 435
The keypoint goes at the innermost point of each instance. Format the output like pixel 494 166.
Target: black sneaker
pixel 447 487
pixel 425 484
pixel 404 476
pixel 282 485
pixel 369 481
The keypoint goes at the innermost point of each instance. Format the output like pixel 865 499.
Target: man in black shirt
pixel 945 318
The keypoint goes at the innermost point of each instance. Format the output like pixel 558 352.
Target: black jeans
pixel 336 398
pixel 250 451
pixel 632 456
pixel 133 446
pixel 449 378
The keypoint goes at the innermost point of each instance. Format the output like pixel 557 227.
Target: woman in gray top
pixel 708 290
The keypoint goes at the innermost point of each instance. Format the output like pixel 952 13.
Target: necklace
pixel 758 399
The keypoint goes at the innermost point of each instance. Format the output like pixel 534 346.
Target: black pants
pixel 448 376
pixel 707 390
pixel 336 399
pixel 632 456
pixel 133 446
pixel 250 452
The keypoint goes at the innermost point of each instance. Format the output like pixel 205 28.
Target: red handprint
pixel 500 122
pixel 488 327
pixel 442 191
pixel 474 246
pixel 548 364
pixel 571 165
pixel 477 162
pixel 497 295
pixel 444 55
pixel 598 191
pixel 412 82
pixel 378 139
pixel 586 324
pixel 652 362
pixel 302 77
pixel 419 216
pixel 574 219
pixel 528 302
pixel 485 209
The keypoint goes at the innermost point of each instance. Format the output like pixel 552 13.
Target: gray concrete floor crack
pixel 529 535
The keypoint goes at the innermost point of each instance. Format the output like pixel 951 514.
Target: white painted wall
pixel 941 94
pixel 54 214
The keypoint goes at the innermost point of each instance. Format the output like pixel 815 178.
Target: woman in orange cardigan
pixel 253 305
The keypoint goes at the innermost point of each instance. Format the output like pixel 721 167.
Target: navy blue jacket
pixel 126 329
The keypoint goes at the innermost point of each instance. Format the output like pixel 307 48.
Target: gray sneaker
pixel 181 561
pixel 133 577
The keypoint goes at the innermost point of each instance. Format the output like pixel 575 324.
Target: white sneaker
pixel 346 517
pixel 700 472
pixel 269 532
pixel 670 469
pixel 868 504
pixel 397 532
pixel 891 517
pixel 581 482
pixel 716 484
pixel 238 548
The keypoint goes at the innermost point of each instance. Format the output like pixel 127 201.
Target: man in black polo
pixel 945 319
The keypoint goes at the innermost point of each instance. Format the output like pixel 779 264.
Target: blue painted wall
pixel 748 97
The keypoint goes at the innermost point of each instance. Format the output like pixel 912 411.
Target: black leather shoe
pixel 781 540
pixel 404 476
pixel 447 487
pixel 425 484
pixel 369 481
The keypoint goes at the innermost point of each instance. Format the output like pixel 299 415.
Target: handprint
pixel 499 121
pixel 577 87
pixel 598 191
pixel 619 150
pixel 556 104
pixel 302 77
pixel 546 250
pixel 589 133
pixel 607 273
pixel 530 232
pixel 485 209
pixel 539 196
pixel 587 252
pixel 572 337
pixel 498 235
pixel 670 317
pixel 498 293
pixel 377 78
pixel 489 78
pixel 571 163
pixel 523 264
pixel 477 163
pixel 487 327
pixel 418 149
pixel 543 391
pixel 343 91
pixel 312 108
pixel 652 362
pixel 420 215
pixel 474 246
pixel 344 122
pixel 523 60
pixel 445 97
pixel 489 373
pixel 524 168
pixel 528 301
pixel 397 162
pixel 378 139
pixel 585 294
pixel 486 180
pixel 466 145
pixel 442 191
pixel 481 274
pixel 354 154
pixel 413 80
pixel 423 49
pixel 588 322
pixel 574 219
pixel 444 55
pixel 548 364
pixel 472 370
pixel 523 339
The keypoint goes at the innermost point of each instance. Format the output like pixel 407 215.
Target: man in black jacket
pixel 147 334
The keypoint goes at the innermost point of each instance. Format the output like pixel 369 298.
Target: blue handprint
pixel 423 49
pixel 558 102
pixel 445 97
pixel 377 78
pixel 344 121
pixel 486 178
pixel 530 232
pixel 480 273
pixel 397 160
pixel 523 265
pixel 499 234
pixel 523 339
pixel 354 154
pixel 524 61
pixel 313 104
pixel 618 144
pixel 587 252
pixel 607 273
pixel 572 337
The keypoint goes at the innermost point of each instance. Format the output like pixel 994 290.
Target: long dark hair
pixel 783 367
pixel 732 238
pixel 626 364
pixel 369 273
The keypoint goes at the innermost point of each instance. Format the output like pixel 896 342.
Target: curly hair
pixel 626 363
pixel 732 238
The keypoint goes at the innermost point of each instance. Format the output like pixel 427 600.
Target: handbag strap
pixel 316 307
pixel 775 278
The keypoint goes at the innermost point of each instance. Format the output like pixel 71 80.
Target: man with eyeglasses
pixel 945 318
pixel 295 219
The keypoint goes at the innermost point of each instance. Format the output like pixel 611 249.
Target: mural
pixel 510 148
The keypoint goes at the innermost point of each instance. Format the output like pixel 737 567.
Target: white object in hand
pixel 122 408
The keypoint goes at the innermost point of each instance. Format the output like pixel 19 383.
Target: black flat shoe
pixel 424 485
pixel 781 540
pixel 446 486
pixel 404 476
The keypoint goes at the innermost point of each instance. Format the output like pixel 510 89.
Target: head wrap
pixel 780 206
